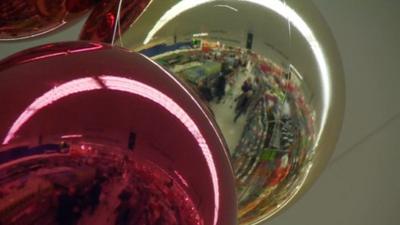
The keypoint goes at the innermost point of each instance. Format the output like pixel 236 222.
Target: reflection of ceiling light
pixel 296 72
pixel 286 12
pixel 72 87
pixel 227 6
pixel 71 136
pixel 200 35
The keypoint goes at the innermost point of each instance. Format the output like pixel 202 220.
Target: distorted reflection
pixel 80 149
pixel 260 108
pixel 24 19
pixel 78 182
pixel 263 70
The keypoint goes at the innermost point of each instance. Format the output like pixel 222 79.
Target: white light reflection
pixel 228 7
pixel 200 35
pixel 287 13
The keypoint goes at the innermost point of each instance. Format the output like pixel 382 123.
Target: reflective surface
pixel 270 73
pixel 84 142
pixel 28 18
pixel 102 23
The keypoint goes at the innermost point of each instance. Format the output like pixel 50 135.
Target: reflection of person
pixel 94 196
pixel 246 86
pixel 205 90
pixel 230 84
pixel 68 211
pixel 243 100
pixel 124 209
pixel 220 87
pixel 242 104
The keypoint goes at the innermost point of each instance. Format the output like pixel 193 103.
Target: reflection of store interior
pixel 259 106
pixel 85 183
pixel 261 109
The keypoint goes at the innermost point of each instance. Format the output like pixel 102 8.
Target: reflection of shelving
pixel 252 141
pixel 275 142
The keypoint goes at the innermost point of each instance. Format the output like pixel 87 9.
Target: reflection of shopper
pixel 246 86
pixel 242 104
pixel 124 209
pixel 220 87
pixel 205 90
pixel 94 196
pixel 230 84
pixel 68 211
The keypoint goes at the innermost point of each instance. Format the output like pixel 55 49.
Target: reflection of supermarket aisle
pixel 181 67
pixel 225 113
pixel 105 212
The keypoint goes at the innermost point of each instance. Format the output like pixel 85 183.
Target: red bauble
pixel 27 18
pixel 100 25
pixel 78 116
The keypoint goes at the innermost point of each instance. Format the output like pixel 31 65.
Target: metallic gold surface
pixel 271 74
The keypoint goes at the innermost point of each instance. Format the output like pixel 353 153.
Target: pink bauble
pixel 80 117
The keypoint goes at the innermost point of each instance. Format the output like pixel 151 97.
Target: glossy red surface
pixel 101 23
pixel 27 18
pixel 102 94
pixel 159 198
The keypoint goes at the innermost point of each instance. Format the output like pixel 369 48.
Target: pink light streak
pixel 66 89
pixel 129 86
pixel 135 87
pixel 49 55
pixel 95 46
pixel 71 136
pixel 181 178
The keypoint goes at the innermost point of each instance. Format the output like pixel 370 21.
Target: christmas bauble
pixel 93 134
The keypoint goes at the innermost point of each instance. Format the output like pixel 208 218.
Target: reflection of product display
pixel 270 147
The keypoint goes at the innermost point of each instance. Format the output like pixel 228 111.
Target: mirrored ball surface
pixel 270 73
pixel 83 142
pixel 21 19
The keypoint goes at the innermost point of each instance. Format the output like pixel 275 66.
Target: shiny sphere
pixel 271 74
pixel 98 135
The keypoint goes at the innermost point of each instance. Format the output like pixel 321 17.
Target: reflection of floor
pixel 225 113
